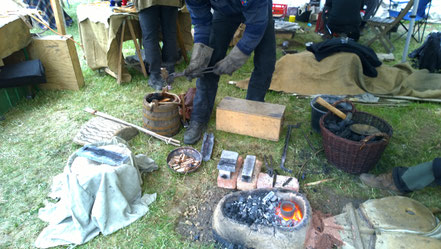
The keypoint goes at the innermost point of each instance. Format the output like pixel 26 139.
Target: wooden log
pixel 167 140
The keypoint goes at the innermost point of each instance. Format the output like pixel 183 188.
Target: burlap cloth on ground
pixel 342 74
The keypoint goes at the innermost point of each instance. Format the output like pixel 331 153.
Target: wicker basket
pixel 351 156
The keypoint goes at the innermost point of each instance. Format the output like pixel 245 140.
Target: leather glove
pixel 233 61
pixel 200 58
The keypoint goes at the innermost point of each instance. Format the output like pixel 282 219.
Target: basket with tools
pixel 353 141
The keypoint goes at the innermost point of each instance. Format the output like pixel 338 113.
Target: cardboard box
pixel 252 118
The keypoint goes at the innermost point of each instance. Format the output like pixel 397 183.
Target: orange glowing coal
pixel 289 210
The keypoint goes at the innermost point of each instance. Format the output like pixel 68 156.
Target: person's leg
pixel 222 31
pixel 149 22
pixel 417 177
pixel 168 27
pixel 264 63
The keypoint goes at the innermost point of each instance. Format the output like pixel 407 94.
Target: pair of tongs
pixel 270 169
pixel 171 77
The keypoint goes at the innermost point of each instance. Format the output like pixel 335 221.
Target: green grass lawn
pixel 36 140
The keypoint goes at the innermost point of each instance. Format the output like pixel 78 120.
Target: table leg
pixel 138 50
pixel 121 58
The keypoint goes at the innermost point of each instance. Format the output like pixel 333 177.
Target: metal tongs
pixel 270 169
pixel 171 77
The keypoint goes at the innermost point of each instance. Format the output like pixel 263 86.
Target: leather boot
pixel 383 181
pixel 194 132
pixel 156 81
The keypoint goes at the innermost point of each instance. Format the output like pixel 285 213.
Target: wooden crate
pixel 60 60
pixel 252 118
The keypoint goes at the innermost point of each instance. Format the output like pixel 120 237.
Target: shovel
pixel 361 129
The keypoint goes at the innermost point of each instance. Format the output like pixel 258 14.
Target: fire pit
pixel 262 218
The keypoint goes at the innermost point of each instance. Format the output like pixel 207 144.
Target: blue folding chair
pixel 420 19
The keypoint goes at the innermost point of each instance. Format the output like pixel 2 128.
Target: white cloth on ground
pixel 94 198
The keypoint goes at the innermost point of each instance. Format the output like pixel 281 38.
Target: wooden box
pixel 60 61
pixel 252 118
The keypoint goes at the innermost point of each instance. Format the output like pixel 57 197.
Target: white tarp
pixel 95 198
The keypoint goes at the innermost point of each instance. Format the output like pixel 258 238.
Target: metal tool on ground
pixel 207 146
pixel 270 169
pixel 227 163
pixel 285 148
pixel 361 129
pixel 287 182
pixel 167 140
pixel 171 77
pixel 248 168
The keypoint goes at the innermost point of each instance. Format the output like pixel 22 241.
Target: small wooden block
pixel 241 185
pixel 252 118
pixel 232 182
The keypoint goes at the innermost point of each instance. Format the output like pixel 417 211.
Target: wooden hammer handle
pixel 331 108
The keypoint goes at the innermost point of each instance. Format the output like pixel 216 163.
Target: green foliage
pixel 36 140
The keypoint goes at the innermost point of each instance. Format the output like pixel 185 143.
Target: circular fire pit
pixel 262 218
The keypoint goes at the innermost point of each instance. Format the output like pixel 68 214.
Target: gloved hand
pixel 233 61
pixel 200 58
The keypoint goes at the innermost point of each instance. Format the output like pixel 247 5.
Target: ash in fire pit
pixel 262 208
pixel 254 219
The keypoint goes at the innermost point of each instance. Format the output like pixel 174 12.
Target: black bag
pixel 22 74
pixel 428 56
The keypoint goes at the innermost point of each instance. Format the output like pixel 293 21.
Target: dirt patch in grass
pixel 195 222
pixel 329 202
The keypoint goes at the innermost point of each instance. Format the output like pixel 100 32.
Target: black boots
pixel 156 82
pixel 194 132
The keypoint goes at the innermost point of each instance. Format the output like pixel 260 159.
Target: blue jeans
pixel 150 19
pixel 222 31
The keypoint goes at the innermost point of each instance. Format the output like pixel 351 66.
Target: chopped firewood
pixel 182 163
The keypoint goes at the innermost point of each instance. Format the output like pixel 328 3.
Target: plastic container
pixel 279 10
pixel 292 18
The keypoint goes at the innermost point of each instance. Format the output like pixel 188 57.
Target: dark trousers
pixel 150 20
pixel 222 31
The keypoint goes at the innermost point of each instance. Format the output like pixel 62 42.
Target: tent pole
pixel 410 31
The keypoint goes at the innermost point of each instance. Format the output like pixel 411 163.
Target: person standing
pixel 212 35
pixel 156 16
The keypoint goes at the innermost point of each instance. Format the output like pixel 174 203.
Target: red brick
pixel 264 181
pixel 241 185
pixel 292 185
pixel 232 182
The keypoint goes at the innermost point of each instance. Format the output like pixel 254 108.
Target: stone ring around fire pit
pixel 253 219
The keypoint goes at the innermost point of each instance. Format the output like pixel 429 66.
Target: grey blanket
pixel 95 198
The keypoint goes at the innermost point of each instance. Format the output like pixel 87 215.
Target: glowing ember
pixel 287 207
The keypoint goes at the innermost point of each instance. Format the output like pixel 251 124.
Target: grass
pixel 36 140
